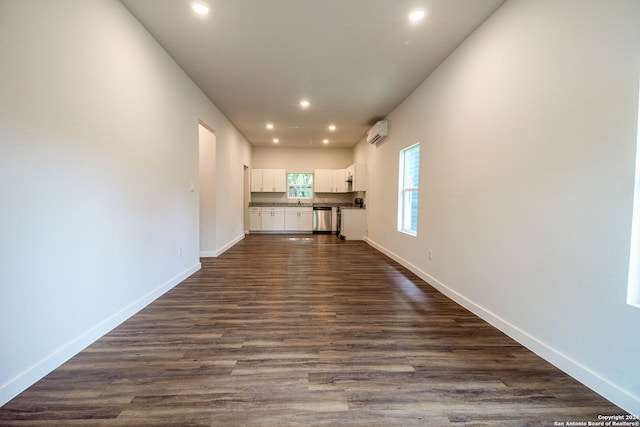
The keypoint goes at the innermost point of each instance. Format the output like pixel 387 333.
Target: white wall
pixel 207 181
pixel 528 137
pixel 302 160
pixel 98 148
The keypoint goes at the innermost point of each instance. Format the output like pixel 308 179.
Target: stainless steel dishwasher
pixel 322 219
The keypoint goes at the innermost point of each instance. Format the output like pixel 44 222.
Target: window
pixel 633 289
pixel 300 185
pixel 409 174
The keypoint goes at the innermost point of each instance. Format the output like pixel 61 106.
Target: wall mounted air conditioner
pixel 378 132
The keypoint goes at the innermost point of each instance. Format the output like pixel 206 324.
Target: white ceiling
pixel 354 60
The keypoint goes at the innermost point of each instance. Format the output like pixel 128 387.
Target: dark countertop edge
pixel 279 205
pixel 296 205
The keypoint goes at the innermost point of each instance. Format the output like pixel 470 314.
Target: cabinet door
pixel 274 180
pixel 305 219
pixel 256 180
pixel 267 219
pixel 323 181
pixel 280 180
pixel 291 219
pixel 340 181
pixel 298 219
pixel 272 219
pixel 268 180
pixel 354 224
pixel 278 219
pixel 255 219
pixel 360 177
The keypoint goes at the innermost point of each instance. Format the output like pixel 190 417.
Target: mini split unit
pixel 378 132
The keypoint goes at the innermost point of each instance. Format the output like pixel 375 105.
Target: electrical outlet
pixel 430 253
pixel 179 251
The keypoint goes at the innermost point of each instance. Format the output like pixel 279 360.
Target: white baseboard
pixel 24 380
pixel 217 253
pixel 208 254
pixel 586 376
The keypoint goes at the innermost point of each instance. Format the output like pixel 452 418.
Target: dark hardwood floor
pixel 304 330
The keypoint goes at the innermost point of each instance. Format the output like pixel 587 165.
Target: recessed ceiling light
pixel 276 140
pixel 269 125
pixel 325 141
pixel 332 127
pixel 305 103
pixel 200 8
pixel 417 14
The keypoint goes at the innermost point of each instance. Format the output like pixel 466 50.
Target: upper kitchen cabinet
pixel 330 181
pixel 357 177
pixel 268 181
pixel 340 180
pixel 323 181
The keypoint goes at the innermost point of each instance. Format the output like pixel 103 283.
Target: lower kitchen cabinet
pixel 255 219
pixel 272 219
pixel 281 219
pixel 354 224
pixel 266 219
pixel 298 219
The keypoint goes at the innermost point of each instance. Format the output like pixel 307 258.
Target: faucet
pixel 299 203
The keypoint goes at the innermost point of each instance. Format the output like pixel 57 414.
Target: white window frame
pixel 310 186
pixel 406 190
pixel 633 285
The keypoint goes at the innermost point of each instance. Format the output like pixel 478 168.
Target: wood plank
pixel 304 330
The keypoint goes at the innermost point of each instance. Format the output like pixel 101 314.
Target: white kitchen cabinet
pixel 306 220
pixel 272 219
pixel 274 180
pixel 330 181
pixel 266 219
pixel 268 180
pixel 279 219
pixel 357 174
pixel 298 219
pixel 255 219
pixel 354 224
pixel 340 181
pixel 256 180
pixel 323 181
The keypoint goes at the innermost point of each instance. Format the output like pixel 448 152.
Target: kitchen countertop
pixel 301 205
pixel 279 204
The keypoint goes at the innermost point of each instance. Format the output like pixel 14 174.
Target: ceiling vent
pixel 378 132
